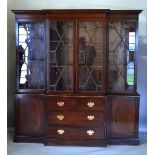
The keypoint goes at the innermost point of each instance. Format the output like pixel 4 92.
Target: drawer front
pixel 87 118
pixel 88 103
pixel 60 132
pixel 59 103
pixel 76 103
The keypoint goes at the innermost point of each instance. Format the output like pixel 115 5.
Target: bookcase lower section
pixel 77 120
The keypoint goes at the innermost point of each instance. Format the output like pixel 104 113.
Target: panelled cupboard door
pixel 124 117
pixel 29 111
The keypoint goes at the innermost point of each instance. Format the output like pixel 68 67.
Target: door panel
pixel 31 55
pixel 122 48
pixel 124 117
pixel 61 55
pixel 91 51
pixel 29 115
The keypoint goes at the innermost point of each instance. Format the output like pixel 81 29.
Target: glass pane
pixel 132 39
pixel 121 56
pixel 61 55
pixel 90 56
pixel 31 55
pixel 130 74
pixel 132 47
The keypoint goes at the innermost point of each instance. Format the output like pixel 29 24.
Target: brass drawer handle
pixel 90 104
pixel 90 117
pixel 90 132
pixel 60 104
pixel 60 117
pixel 60 131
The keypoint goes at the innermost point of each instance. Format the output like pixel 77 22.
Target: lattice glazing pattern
pixel 90 56
pixel 31 55
pixel 61 55
pixel 121 56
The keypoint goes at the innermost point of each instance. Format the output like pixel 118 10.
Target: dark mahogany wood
pixel 38 116
pixel 76 103
pixel 124 141
pixel 76 118
pixel 29 112
pixel 74 132
pixel 123 118
pixel 76 142
pixel 28 139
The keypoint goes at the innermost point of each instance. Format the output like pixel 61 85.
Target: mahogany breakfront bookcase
pixel 76 77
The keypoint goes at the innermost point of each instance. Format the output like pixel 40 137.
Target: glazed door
pixel 122 56
pixel 30 55
pixel 61 46
pixel 91 52
pixel 77 56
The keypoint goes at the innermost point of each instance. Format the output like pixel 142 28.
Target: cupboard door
pixel 31 55
pixel 124 117
pixel 122 54
pixel 29 115
pixel 61 55
pixel 91 55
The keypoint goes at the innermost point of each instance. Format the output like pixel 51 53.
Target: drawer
pixel 87 118
pixel 59 103
pixel 89 103
pixel 61 132
pixel 76 103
